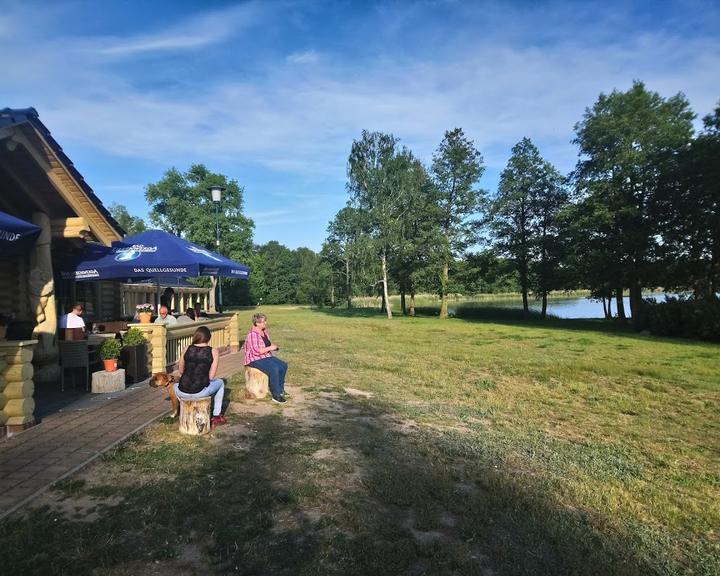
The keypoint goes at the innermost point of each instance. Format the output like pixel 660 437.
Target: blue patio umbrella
pixel 16 235
pixel 152 254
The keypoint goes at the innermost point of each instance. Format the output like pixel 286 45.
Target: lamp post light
pixel 216 194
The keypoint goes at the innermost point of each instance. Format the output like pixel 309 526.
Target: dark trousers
pixel 276 370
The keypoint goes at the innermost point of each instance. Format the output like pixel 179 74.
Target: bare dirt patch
pixel 356 392
pixel 344 454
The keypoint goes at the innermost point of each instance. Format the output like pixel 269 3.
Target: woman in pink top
pixel 258 354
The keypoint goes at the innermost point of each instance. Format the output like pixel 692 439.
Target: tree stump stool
pixel 195 416
pixel 256 383
pixel 104 381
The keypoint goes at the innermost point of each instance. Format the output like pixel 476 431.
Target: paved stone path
pixel 30 462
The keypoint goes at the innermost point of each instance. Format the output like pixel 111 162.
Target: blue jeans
pixel 214 388
pixel 276 370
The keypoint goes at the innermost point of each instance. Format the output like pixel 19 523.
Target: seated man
pixel 164 317
pixel 73 321
pixel 187 318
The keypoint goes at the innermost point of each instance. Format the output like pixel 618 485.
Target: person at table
pixel 258 354
pixel 199 313
pixel 164 317
pixel 166 299
pixel 198 367
pixel 187 318
pixel 73 321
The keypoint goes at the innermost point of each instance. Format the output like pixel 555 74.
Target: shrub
pixel 686 317
pixel 134 337
pixel 475 312
pixel 110 349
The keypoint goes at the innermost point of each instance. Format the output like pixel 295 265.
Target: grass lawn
pixel 415 446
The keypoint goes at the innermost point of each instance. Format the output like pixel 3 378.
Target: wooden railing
pixel 166 343
pixel 184 297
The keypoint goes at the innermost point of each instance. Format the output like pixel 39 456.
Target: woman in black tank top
pixel 197 367
pixel 196 375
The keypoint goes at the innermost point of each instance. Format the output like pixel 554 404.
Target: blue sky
pixel 272 94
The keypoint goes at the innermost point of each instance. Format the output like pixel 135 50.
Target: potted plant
pixel 110 352
pixel 144 312
pixel 134 355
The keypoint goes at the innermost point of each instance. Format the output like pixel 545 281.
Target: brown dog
pixel 164 380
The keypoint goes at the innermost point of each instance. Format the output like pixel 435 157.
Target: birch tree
pixel 378 182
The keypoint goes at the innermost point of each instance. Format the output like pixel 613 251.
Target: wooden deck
pixel 64 442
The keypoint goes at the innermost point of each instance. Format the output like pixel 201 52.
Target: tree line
pixel 639 210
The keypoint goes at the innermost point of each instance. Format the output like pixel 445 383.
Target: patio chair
pixel 74 354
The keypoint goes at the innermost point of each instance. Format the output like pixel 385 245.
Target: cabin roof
pixel 10 117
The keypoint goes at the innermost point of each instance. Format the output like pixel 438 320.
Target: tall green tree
pixel 332 255
pixel 378 181
pixel 182 205
pixel 550 198
pixel 258 284
pixel 314 278
pixel 131 224
pixel 484 272
pixel 627 141
pixel 346 247
pixel 590 262
pixel 512 215
pixel 278 274
pixel 689 213
pixel 456 168
pixel 419 233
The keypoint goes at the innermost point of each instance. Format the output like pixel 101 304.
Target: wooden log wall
pixel 16 385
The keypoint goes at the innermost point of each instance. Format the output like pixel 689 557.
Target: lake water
pixel 574 307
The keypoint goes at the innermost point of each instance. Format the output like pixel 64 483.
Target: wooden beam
pixel 69 228
pixel 74 195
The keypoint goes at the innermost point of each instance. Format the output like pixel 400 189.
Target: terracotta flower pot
pixel 110 365
pixel 145 317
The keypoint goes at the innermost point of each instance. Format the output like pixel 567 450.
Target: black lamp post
pixel 216 193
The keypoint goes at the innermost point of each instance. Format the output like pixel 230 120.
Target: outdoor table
pixel 97 339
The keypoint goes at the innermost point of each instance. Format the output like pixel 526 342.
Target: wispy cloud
pixel 154 44
pixel 278 217
pixel 305 57
pixel 190 34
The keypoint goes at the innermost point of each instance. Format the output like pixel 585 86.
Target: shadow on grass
pixel 382 499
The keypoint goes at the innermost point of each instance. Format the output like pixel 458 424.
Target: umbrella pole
pixel 157 307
